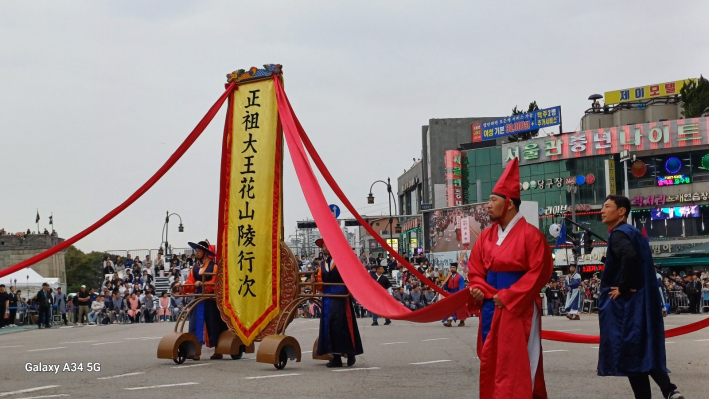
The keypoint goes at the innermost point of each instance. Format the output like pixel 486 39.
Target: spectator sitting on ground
pixel 399 295
pixel 415 300
pixel 117 308
pixel 134 308
pixel 96 309
pixel 429 295
pixel 177 304
pixel 164 311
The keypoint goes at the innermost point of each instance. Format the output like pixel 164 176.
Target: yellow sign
pixel 251 210
pixel 645 92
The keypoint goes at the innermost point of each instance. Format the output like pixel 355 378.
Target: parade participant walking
pixel 339 334
pixel 631 325
pixel 509 264
pixel 205 320
pixel 380 278
pixel 554 298
pixel 4 307
pixel 453 283
pixel 573 295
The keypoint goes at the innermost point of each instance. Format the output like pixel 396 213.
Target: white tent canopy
pixel 29 281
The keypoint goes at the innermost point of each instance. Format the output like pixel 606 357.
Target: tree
pixel 525 135
pixel 695 97
pixel 83 269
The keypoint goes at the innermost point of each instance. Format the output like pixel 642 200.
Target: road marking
pixel 393 343
pixel 191 365
pixel 78 342
pixel 119 376
pixel 555 350
pixel 358 368
pixel 28 390
pixel 11 346
pixel 307 352
pixel 433 361
pixel 577 329
pixel 669 342
pixel 46 349
pixel 62 394
pixel 696 340
pixel 594 347
pixel 432 339
pixel 46 396
pixel 271 376
pixel 106 343
pixel 162 386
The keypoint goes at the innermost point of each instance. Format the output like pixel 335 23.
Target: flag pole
pixel 37 221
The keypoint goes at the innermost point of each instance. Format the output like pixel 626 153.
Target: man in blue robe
pixel 573 294
pixel 632 330
pixel 453 283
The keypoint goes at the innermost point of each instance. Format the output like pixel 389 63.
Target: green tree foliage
pixel 695 97
pixel 83 269
pixel 525 135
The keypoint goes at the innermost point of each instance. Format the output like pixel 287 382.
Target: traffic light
pixel 587 243
pixel 576 243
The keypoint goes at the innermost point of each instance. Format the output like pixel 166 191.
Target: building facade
pixel 15 249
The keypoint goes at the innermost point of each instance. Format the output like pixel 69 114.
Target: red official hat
pixel 508 185
pixel 319 242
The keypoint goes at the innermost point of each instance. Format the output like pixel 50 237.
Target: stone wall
pixel 14 249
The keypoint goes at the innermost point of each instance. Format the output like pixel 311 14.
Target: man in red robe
pixel 509 264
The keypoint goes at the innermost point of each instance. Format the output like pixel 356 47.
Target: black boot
pixel 351 359
pixel 335 362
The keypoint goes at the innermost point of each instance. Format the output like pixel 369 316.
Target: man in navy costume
pixel 630 315
pixel 339 334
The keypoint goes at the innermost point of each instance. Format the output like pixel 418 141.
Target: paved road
pixel 402 360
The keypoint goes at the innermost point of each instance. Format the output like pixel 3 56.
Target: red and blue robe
pixel 205 319
pixel 455 284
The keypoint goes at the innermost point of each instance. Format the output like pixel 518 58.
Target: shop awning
pixel 678 261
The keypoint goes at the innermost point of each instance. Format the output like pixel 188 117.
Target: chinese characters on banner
pixel 640 137
pixel 520 123
pixel 251 227
pixel 454 178
pixel 645 92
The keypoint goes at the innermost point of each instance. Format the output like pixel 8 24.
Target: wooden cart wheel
pixel 282 360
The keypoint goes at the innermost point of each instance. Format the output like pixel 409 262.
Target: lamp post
pixel 181 229
pixel 370 200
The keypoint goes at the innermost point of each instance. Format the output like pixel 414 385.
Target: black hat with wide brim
pixel 203 245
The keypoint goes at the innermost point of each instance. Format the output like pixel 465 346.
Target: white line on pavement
pixel 670 342
pixel 191 365
pixel 432 339
pixel 106 343
pixel 555 350
pixel 358 368
pixel 307 352
pixel 119 376
pixel 594 347
pixel 393 343
pixel 62 394
pixel 162 386
pixel 46 349
pixel 46 396
pixel 11 346
pixel 271 376
pixel 78 342
pixel 28 390
pixel 699 340
pixel 432 361
pixel 576 329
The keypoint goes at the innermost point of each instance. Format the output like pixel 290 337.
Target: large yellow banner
pixel 251 219
pixel 645 92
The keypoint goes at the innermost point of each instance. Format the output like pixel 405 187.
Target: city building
pixel 667 161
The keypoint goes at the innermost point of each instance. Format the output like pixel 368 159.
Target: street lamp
pixel 181 229
pixel 370 200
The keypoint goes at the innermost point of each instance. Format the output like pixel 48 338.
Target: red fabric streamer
pixel 142 190
pixel 341 195
pixel 594 339
pixel 362 286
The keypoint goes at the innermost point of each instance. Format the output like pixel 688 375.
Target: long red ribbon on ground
pixel 142 190
pixel 367 291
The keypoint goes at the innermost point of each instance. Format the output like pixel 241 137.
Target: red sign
pixel 591 268
pixel 477 133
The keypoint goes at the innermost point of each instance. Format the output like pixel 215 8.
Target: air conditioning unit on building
pixel 384 233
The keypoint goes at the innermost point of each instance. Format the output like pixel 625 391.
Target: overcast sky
pixel 95 95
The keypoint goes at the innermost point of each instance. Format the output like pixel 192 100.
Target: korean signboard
pixel 520 123
pixel 640 137
pixel 477 132
pixel 645 92
pixel 564 257
pixel 454 178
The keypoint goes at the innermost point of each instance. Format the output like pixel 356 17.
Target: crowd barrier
pixel 678 301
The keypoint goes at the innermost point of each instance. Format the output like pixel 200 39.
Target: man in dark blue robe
pixel 339 334
pixel 630 315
